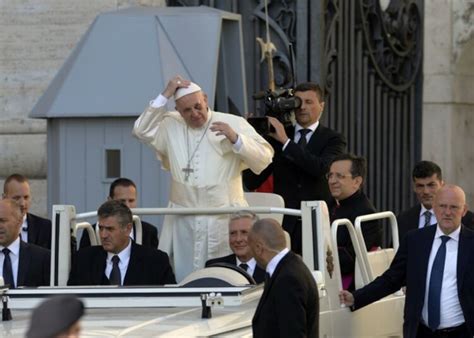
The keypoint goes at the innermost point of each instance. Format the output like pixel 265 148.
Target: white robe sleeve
pixel 148 128
pixel 256 153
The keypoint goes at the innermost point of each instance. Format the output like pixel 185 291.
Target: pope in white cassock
pixel 205 151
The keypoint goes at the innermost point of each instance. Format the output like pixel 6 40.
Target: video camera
pixel 280 104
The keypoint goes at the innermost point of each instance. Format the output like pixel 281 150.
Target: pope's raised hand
pixel 222 128
pixel 173 85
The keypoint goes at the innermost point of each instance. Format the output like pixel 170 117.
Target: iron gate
pixel 368 56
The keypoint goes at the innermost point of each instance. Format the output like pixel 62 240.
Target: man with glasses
pixel 346 177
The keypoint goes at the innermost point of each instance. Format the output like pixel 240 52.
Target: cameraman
pixel 302 156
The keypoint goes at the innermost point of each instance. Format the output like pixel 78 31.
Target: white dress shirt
pixel 451 312
pixel 271 266
pixel 251 263
pixel 297 136
pixel 14 257
pixel 421 218
pixel 124 256
pixel 24 230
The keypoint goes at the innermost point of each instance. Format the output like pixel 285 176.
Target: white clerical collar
pixel 313 127
pixel 271 266
pixel 124 255
pixel 453 235
pixel 251 263
pixel 14 247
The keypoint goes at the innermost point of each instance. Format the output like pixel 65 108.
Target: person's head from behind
pixel 17 188
pixel 124 190
pixel 191 103
pixel 312 103
pixel 449 207
pixel 266 239
pixel 10 222
pixel 57 317
pixel 115 224
pixel 239 227
pixel 346 175
pixel 427 180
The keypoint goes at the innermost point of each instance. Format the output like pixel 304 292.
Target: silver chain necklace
pixel 188 170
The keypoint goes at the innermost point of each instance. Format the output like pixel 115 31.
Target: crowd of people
pixel 212 156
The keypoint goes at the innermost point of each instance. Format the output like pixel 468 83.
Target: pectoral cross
pixel 187 171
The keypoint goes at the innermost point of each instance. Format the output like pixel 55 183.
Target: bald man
pixel 57 317
pixel 436 264
pixel 289 306
pixel 21 264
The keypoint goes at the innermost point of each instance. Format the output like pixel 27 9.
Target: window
pixel 112 163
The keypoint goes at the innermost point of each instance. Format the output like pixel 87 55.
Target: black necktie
pixel 243 266
pixel 7 268
pixel 436 283
pixel 427 215
pixel 302 141
pixel 115 277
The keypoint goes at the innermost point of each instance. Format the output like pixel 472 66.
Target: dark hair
pixel 305 86
pixel 358 164
pixel 424 169
pixel 117 209
pixel 14 177
pixel 122 182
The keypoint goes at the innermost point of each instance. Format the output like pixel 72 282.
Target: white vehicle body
pixel 176 310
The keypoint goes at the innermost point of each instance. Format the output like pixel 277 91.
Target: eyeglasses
pixel 337 176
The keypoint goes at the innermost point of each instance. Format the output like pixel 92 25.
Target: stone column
pixel 448 107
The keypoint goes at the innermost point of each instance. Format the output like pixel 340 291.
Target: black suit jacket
pixel 409 268
pixel 39 231
pixel 355 205
pixel 289 306
pixel 149 238
pixel 33 265
pixel 299 174
pixel 409 219
pixel 258 273
pixel 147 266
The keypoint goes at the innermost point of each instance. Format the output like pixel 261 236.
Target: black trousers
pixel 460 331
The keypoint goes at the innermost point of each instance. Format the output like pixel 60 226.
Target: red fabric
pixel 266 186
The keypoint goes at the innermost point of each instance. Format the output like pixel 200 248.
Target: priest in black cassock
pixel 346 177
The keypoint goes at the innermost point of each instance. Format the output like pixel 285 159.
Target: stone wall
pixel 36 37
pixel 448 110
